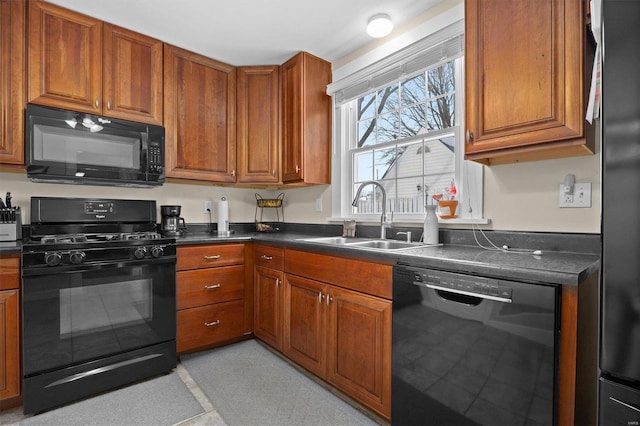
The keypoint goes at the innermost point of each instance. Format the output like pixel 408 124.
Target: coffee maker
pixel 172 224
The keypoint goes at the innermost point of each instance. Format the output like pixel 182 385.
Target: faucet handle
pixel 408 234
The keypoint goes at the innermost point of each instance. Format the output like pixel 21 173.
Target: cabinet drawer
pixel 269 256
pixel 9 272
pixel 210 256
pixel 213 285
pixel 209 324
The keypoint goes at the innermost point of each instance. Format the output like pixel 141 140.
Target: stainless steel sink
pixel 367 243
pixel 384 244
pixel 332 240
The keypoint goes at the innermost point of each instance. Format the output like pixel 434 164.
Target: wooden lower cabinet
pixel 305 323
pixel 9 331
pixel 359 347
pixel 267 322
pixel 268 284
pixel 343 336
pixel 211 300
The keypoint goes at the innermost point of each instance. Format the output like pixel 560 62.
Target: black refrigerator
pixel 619 390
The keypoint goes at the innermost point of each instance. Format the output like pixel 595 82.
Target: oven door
pixel 77 316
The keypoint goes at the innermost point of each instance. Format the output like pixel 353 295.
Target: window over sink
pixel 398 122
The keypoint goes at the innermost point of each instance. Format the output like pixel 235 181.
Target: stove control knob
pixel 53 258
pixel 77 257
pixel 140 252
pixel 157 251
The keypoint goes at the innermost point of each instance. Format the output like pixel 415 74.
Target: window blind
pixel 439 47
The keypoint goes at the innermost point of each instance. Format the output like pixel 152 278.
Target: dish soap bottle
pixel 430 230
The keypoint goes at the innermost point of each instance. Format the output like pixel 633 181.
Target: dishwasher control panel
pixel 460 283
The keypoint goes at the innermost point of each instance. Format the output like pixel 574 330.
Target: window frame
pixel 468 175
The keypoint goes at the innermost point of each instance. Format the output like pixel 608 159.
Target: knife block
pixel 10 224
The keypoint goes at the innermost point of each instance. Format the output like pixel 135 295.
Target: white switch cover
pixel 318 204
pixel 581 196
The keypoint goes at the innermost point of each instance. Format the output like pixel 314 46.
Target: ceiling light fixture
pixel 379 25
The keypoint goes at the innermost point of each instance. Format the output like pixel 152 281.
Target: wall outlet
pixel 581 196
pixel 319 204
pixel 207 207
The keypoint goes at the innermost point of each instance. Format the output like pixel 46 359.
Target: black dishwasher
pixel 470 350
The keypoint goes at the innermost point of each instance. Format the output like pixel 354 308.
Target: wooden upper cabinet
pixel 306 120
pixel 199 116
pixel 526 73
pixel 258 119
pixel 65 58
pixel 80 63
pixel 132 75
pixel 12 83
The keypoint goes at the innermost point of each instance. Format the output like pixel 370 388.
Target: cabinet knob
pixel 109 104
pixel 273 172
pixel 212 323
pixel 212 286
pixel 233 173
pixel 320 297
pixel 265 257
pixel 469 136
pixel 97 103
pixel 328 299
pixel 297 169
pixel 277 282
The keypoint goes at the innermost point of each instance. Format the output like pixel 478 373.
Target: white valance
pixel 437 48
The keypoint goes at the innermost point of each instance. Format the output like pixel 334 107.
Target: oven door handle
pixel 467 293
pixel 84 267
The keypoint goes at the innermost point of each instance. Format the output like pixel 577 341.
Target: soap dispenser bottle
pixel 430 230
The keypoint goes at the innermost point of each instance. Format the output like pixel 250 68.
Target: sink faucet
pixel 383 219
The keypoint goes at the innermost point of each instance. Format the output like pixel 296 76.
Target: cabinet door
pixel 304 323
pixel 9 345
pixel 65 58
pixel 359 342
pixel 12 82
pixel 306 120
pixel 258 118
pixel 132 75
pixel 291 74
pixel 268 287
pixel 199 116
pixel 525 77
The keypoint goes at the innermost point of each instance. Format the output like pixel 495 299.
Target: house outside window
pixel 405 134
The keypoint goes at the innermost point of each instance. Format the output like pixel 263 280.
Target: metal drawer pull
pixel 265 257
pixel 320 296
pixel 216 257
pixel 329 299
pixel 212 286
pixel 212 324
pixel 277 282
pixel 617 401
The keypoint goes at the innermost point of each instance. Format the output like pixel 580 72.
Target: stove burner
pixel 83 238
pixel 56 239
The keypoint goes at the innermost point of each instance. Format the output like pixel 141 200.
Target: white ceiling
pixel 253 32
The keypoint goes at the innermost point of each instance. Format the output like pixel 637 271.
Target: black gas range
pixel 98 299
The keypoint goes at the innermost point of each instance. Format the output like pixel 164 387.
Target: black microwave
pixel 74 147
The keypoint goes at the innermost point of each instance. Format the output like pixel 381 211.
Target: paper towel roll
pixel 223 216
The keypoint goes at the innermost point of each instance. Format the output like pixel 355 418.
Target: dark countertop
pixel 552 267
pixel 10 247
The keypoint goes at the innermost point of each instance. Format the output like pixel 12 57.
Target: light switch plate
pixel 581 197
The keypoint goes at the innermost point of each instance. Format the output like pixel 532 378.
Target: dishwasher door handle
pixel 468 293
